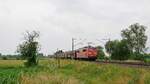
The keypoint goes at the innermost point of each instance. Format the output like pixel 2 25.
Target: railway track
pixel 127 64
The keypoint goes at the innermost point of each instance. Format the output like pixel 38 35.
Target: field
pixel 70 72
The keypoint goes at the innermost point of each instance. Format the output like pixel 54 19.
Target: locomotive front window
pixel 77 51
pixel 84 50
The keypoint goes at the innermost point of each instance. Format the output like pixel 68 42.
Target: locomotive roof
pixel 80 49
pixel 86 47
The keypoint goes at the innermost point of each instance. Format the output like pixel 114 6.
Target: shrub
pixel 29 48
pixel 4 58
pixel 147 59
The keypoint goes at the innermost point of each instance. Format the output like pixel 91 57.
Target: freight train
pixel 87 53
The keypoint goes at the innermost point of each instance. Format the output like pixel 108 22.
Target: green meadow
pixel 70 72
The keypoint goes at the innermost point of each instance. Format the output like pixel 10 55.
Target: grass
pixel 70 72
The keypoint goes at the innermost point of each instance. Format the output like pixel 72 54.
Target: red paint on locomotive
pixel 86 53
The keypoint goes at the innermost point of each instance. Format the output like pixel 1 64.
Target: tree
pixel 121 51
pixel 101 53
pixel 135 37
pixel 0 54
pixel 29 48
pixel 110 46
pixel 118 49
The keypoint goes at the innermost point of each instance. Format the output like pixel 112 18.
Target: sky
pixel 61 20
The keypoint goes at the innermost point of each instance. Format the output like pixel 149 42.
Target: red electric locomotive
pixel 88 52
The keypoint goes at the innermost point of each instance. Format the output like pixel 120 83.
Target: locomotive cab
pixel 87 53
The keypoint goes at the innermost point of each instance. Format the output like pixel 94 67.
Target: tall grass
pixel 71 72
pixel 9 76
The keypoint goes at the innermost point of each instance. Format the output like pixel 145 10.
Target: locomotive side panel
pixel 87 53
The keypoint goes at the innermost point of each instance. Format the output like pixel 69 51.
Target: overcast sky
pixel 60 20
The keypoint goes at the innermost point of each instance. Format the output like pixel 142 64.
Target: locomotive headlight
pixel 90 52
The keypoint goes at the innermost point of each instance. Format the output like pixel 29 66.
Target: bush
pixel 100 54
pixel 18 58
pixel 136 56
pixel 119 50
pixel 4 58
pixel 147 59
pixel 107 58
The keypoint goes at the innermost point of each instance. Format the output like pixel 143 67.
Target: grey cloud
pixel 60 20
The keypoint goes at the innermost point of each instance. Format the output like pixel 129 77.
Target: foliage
pixel 147 58
pixel 135 37
pixel 118 49
pixel 137 56
pixel 109 46
pixel 121 50
pixel 9 56
pixel 29 48
pixel 9 76
pixel 101 53
pixel 107 59
pixel 4 58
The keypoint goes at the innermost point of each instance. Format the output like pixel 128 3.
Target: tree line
pixel 131 46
